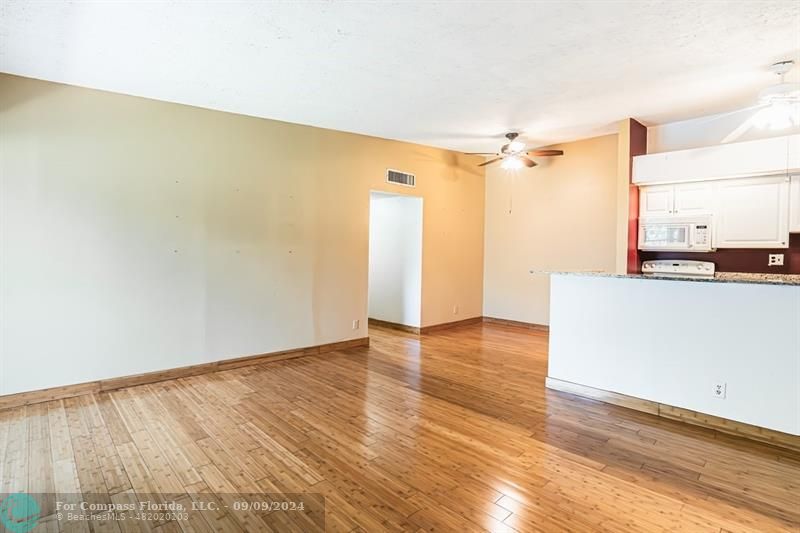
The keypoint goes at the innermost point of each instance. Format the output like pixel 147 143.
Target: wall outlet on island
pixel 455 309
pixel 720 390
pixel 356 324
pixel 775 260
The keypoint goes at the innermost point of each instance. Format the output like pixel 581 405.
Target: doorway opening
pixel 395 259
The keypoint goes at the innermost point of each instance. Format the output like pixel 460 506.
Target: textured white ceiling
pixel 455 74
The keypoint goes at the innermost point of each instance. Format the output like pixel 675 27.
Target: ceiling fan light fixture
pixel 781 101
pixel 777 116
pixel 516 146
pixel 512 163
pixel 778 105
pixel 514 156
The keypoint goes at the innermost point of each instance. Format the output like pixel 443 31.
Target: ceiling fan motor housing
pixel 783 92
pixel 782 67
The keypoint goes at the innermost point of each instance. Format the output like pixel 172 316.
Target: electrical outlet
pixel 455 309
pixel 720 390
pixel 356 324
pixel 775 260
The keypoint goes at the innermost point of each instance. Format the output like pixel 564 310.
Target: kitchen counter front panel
pixel 673 343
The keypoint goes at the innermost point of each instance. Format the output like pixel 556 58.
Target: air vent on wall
pixel 401 178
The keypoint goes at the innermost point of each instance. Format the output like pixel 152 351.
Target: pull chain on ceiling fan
pixel 514 155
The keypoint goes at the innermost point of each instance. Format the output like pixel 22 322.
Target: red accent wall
pixel 741 260
pixel 638 146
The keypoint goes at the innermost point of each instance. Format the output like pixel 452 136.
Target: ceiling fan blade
pixel 530 163
pixel 740 130
pixel 542 153
pixel 711 118
pixel 745 126
pixel 489 162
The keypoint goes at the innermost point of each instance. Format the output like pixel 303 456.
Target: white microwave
pixel 676 234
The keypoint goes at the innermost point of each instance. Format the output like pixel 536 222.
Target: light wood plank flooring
pixel 453 431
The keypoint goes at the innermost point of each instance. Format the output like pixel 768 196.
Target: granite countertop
pixel 719 277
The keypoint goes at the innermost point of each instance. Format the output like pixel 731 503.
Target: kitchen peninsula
pixel 721 352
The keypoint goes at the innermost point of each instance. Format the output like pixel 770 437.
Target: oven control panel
pixel 679 268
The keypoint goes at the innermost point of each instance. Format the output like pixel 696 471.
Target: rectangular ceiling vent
pixel 401 178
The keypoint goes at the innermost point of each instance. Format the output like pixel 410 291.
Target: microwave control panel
pixel 701 235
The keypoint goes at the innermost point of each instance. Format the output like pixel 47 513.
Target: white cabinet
pixel 693 199
pixel 794 154
pixel 682 199
pixel 751 213
pixel 743 159
pixel 656 201
pixel 794 204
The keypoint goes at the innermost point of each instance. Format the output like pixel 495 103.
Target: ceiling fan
pixel 514 155
pixel 778 105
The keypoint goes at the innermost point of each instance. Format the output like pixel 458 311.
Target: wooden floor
pixel 453 431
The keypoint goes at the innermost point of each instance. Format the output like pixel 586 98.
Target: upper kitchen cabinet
pixel 752 213
pixel 656 201
pixel 680 199
pixel 744 159
pixel 693 199
pixel 794 204
pixel 793 164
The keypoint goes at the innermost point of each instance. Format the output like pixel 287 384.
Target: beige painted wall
pixel 139 235
pixel 560 215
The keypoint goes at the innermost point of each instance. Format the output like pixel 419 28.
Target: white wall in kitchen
pixel 672 341
pixel 710 130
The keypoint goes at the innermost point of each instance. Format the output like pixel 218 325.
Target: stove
pixel 678 268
